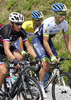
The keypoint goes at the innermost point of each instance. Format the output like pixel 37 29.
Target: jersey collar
pixel 55 21
pixel 12 29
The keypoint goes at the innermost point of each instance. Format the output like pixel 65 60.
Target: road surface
pixel 60 97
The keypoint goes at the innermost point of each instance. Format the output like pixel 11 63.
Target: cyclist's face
pixel 60 16
pixel 38 21
pixel 17 26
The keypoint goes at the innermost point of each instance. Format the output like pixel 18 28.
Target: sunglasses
pixel 38 20
pixel 61 14
pixel 18 24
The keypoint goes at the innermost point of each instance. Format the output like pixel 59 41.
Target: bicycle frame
pixel 13 90
pixel 21 82
pixel 56 72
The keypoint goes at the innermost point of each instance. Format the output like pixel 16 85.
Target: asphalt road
pixel 48 94
pixel 59 95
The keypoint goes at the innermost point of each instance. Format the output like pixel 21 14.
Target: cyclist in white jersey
pixel 42 42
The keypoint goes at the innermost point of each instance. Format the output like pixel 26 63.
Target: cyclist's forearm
pixel 67 42
pixel 48 49
pixel 31 51
pixel 21 44
pixel 7 51
pixel 9 54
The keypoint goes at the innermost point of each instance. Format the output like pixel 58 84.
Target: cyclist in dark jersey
pixel 8 34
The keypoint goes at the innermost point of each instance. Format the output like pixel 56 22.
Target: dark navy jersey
pixel 7 33
pixel 39 33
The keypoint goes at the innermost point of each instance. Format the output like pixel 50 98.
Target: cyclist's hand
pixel 17 66
pixel 16 63
pixel 54 59
pixel 38 61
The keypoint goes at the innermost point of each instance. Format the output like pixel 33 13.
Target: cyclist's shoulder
pixel 5 28
pixel 49 19
pixel 27 24
pixel 65 22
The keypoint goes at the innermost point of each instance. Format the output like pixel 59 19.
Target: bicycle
pixel 25 87
pixel 69 81
pixel 60 80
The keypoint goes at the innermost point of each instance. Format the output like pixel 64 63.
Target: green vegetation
pixel 11 3
pixel 27 6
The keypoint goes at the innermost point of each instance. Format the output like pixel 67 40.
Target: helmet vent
pixel 12 18
pixel 54 7
pixel 16 18
pixel 61 6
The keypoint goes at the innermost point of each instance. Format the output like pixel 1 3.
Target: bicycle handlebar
pixel 31 63
pixel 61 59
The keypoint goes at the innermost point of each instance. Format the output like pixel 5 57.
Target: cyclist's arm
pixel 46 45
pixel 67 42
pixel 21 44
pixel 30 49
pixel 7 50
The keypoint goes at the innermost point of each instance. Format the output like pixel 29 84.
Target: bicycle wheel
pixel 30 90
pixel 68 79
pixel 31 71
pixel 1 93
pixel 61 92
pixel 4 95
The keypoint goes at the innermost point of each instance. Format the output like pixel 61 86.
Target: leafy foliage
pixel 11 3
pixel 27 4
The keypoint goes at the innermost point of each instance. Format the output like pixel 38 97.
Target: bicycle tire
pixel 34 91
pixel 2 94
pixel 70 74
pixel 5 91
pixel 32 72
pixel 61 95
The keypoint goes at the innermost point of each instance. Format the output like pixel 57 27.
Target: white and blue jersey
pixel 48 28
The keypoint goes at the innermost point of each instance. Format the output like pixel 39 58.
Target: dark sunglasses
pixel 18 24
pixel 61 14
pixel 38 20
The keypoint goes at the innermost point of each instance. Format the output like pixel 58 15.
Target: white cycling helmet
pixel 16 17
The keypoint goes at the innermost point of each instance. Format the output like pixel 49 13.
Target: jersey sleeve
pixel 5 33
pixel 45 30
pixel 65 29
